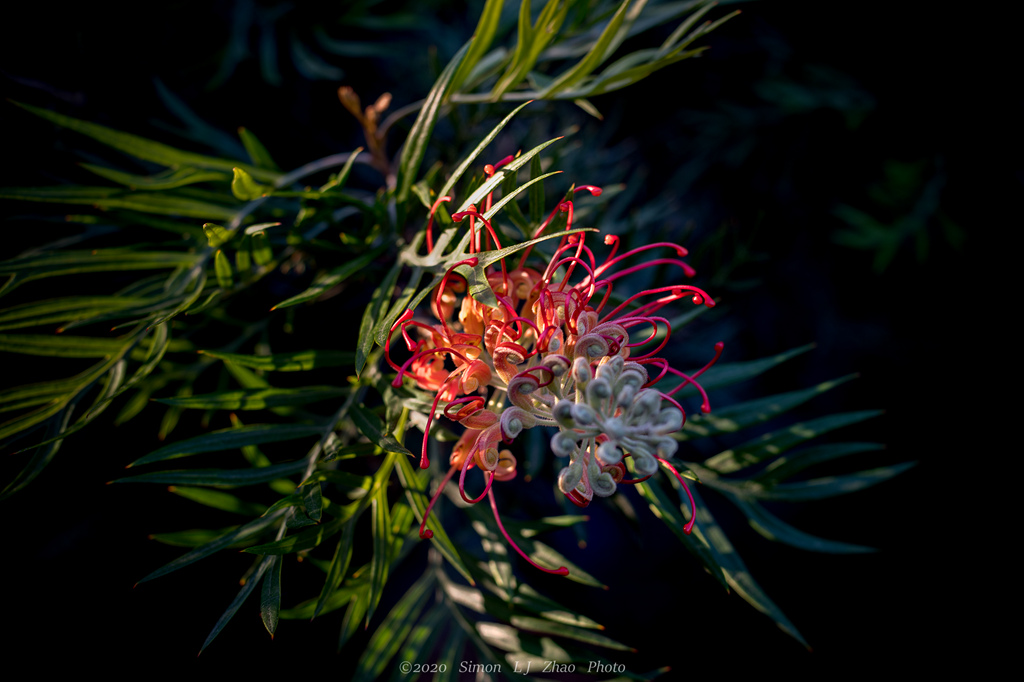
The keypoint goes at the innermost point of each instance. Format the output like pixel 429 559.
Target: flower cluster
pixel 555 352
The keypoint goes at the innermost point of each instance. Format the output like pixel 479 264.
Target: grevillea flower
pixel 554 352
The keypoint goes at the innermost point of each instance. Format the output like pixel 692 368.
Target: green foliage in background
pixel 158 301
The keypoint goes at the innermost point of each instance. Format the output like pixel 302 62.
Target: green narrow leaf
pixel 216 235
pixel 312 500
pixel 789 465
pixel 830 486
pixel 458 173
pixel 774 528
pixel 189 538
pixel 593 59
pixel 547 627
pixel 62 346
pixel 508 198
pixel 342 558
pixel 261 251
pixel 257 398
pixel 495 180
pixel 140 147
pixel 450 657
pixel 258 154
pixel 734 571
pixel 249 530
pixel 373 428
pixel 337 182
pixel 532 42
pixel 417 493
pixel 671 514
pixel 725 374
pixel 225 275
pixel 422 638
pixel 243 262
pixel 530 599
pixel 388 638
pixel 742 415
pixel 536 193
pixel 777 442
pixel 243 594
pixel 42 456
pixel 380 526
pixel 333 278
pixel 245 188
pixel 617 79
pixel 216 499
pixel 229 478
pixel 301 361
pixel 168 179
pixel 306 539
pixel 270 599
pixel 112 197
pixel 381 297
pixel 415 146
pixel 229 439
pixel 354 616
pixel 681 30
pixel 482 38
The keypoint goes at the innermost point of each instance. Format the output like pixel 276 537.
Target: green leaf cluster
pixel 320 468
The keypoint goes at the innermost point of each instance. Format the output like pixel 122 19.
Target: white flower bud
pixel 563 443
pixel 581 373
pixel 583 414
pixel 569 477
pixel 608 453
pixel 563 413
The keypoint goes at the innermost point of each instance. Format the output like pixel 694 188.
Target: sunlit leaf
pixel 216 235
pixel 245 188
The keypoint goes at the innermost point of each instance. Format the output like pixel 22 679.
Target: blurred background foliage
pixel 818 162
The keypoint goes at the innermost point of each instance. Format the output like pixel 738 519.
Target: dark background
pixel 868 84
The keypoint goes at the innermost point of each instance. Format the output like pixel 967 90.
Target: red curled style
pixel 693 505
pixel 430 223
